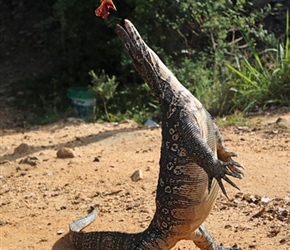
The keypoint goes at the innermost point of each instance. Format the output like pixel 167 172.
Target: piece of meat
pixel 103 10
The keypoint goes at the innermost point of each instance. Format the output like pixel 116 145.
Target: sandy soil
pixel 41 193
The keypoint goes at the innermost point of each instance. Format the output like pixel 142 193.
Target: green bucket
pixel 84 103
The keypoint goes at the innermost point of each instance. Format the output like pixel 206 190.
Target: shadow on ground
pixel 63 244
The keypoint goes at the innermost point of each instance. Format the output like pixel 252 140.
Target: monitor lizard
pixel 193 163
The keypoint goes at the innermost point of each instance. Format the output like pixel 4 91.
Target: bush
pixel 262 78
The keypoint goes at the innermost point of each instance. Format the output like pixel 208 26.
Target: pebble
pixel 137 176
pixel 23 148
pixel 32 161
pixel 265 200
pixel 65 153
pixel 61 231
pixel 96 159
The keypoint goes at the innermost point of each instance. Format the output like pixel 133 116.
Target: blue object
pixel 151 124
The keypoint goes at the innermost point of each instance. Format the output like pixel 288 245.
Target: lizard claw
pixel 209 183
pixel 230 168
pixel 222 187
pixel 220 184
pixel 235 163
pixel 233 167
pixel 226 156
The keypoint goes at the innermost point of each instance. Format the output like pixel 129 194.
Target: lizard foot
pixel 221 169
pixel 234 166
pixel 226 156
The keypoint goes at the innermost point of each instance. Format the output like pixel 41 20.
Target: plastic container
pixel 84 102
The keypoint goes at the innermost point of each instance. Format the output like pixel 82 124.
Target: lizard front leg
pixel 203 155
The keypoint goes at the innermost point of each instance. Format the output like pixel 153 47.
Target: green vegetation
pixel 103 87
pixel 220 51
pixel 237 118
pixel 262 78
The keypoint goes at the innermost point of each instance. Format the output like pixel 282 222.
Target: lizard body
pixel 193 163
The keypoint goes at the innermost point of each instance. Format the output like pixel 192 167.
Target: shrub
pixel 262 78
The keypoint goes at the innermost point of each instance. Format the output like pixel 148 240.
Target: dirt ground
pixel 41 193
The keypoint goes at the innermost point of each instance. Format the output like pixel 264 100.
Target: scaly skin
pixel 193 164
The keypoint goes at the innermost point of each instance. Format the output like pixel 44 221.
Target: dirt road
pixel 41 193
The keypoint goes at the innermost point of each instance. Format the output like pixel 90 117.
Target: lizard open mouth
pixel 131 39
pixel 126 33
pixel 127 27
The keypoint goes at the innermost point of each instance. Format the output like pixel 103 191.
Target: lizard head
pixel 134 44
pixel 146 61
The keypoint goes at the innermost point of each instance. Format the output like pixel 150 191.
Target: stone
pixel 23 148
pixel 137 175
pixel 65 153
pixel 32 161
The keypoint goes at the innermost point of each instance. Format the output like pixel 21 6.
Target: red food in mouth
pixel 103 10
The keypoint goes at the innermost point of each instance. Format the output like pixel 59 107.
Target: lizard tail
pixel 81 223
pixel 104 240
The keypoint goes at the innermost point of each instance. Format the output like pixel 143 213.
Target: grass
pixel 262 79
pixel 236 119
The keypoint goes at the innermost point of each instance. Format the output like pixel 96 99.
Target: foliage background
pixel 196 39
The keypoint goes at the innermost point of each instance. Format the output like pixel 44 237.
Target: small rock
pixel 282 211
pixel 137 175
pixel 265 200
pixel 32 161
pixel 243 128
pixel 96 159
pixel 61 231
pixel 23 148
pixel 250 198
pixel 65 153
pixel 285 240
